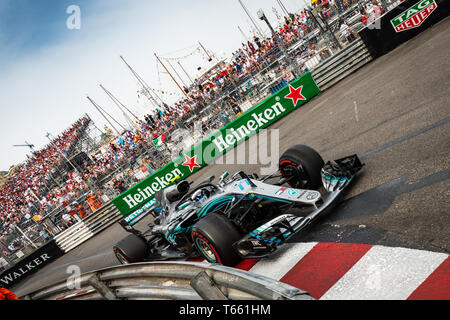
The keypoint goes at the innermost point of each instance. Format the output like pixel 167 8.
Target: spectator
pixel 346 31
pixel 67 220
pixel 234 106
pixel 364 16
pixel 339 5
pixel 119 185
pixel 44 235
pixel 301 62
pixel 81 211
pixel 378 11
pixel 147 163
pixel 286 74
pixel 223 117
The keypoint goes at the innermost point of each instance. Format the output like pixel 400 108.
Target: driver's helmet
pixel 200 195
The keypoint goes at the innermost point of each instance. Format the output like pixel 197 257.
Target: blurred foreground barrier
pixel 170 281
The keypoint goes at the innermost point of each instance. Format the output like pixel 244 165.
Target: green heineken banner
pixel 248 124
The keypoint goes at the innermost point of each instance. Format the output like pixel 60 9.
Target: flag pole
pixel 209 57
pixel 176 72
pixel 100 109
pixel 251 19
pixel 117 102
pixel 283 8
pixel 143 84
pixel 171 76
pixel 185 72
pixel 243 34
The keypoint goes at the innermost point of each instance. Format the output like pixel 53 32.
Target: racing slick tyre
pixel 214 236
pixel 130 249
pixel 301 165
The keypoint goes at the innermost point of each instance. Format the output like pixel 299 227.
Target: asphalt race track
pixel 395 113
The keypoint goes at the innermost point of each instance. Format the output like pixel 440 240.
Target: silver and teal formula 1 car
pixel 242 216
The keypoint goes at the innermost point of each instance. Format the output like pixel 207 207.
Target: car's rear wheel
pixel 214 237
pixel 301 165
pixel 131 249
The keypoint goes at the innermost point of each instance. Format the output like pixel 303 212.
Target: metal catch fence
pixel 24 238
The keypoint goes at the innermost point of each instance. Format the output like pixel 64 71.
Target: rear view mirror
pixel 208 180
pixel 223 176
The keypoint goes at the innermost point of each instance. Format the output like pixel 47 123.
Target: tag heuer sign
pixel 414 16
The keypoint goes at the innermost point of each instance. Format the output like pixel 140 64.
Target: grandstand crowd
pixel 32 189
pixel 250 57
pixel 27 190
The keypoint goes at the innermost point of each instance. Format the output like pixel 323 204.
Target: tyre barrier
pixel 170 280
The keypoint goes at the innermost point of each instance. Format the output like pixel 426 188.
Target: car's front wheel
pixel 301 165
pixel 131 249
pixel 214 236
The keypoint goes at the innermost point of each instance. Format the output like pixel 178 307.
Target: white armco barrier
pixel 84 230
pixel 340 65
pixel 74 235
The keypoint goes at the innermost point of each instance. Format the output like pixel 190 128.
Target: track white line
pixel 356 111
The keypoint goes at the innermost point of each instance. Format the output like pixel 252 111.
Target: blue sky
pixel 26 26
pixel 46 70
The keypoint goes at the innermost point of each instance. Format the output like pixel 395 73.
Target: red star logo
pixel 190 162
pixel 295 94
